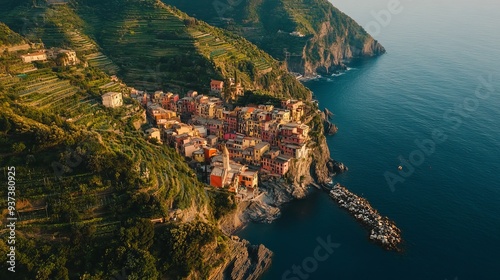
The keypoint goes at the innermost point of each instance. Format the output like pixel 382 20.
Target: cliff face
pixel 247 262
pixel 310 36
pixel 321 55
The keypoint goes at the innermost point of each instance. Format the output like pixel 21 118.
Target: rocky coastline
pixel 247 262
pixel 383 231
pixel 330 128
pixel 313 171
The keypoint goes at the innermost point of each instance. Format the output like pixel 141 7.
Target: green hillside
pixel 8 37
pixel 87 183
pixel 151 45
pixel 54 26
pixel 324 37
pixel 156 45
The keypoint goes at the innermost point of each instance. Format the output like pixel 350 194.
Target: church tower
pixel 225 159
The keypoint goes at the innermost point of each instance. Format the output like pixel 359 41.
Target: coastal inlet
pixel 383 231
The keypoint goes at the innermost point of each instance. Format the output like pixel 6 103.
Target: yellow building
pixel 199 155
pixel 249 179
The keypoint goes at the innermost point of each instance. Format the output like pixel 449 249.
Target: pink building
pixel 231 121
pixel 275 163
pixel 217 86
pixel 186 105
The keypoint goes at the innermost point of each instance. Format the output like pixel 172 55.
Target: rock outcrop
pixel 246 262
pixel 249 261
pixel 330 128
pixel 336 167
pixel 324 56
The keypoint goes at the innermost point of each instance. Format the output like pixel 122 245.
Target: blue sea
pixel 438 84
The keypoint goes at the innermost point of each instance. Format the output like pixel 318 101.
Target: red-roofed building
pixel 217 86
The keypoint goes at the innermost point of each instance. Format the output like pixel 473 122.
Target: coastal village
pixel 232 147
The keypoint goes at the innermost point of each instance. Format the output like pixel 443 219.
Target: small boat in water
pixel 400 167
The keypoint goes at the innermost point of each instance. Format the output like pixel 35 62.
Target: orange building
pixel 209 153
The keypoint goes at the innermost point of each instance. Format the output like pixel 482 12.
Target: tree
pixel 137 233
pixel 18 147
pixel 5 124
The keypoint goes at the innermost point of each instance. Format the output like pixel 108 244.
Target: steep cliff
pixel 309 35
pixel 248 262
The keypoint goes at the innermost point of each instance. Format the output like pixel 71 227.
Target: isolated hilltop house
pixel 112 99
pixel 37 56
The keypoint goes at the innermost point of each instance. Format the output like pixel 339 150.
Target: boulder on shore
pixel 336 167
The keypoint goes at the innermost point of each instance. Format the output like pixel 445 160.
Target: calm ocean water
pixel 449 208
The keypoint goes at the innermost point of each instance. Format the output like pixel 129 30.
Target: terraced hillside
pixel 45 90
pixel 55 26
pixel 156 45
pixel 150 45
pixel 8 37
pixel 310 35
pixel 86 180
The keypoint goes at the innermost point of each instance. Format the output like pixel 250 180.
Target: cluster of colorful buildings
pixel 233 145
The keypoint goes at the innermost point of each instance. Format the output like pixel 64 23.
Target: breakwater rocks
pixel 383 231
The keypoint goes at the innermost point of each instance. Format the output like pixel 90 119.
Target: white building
pixel 112 99
pixel 30 57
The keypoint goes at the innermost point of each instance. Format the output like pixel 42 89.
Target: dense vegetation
pixel 8 37
pixel 171 48
pixel 257 98
pixel 152 45
pixel 269 24
pixel 85 176
pixel 138 251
